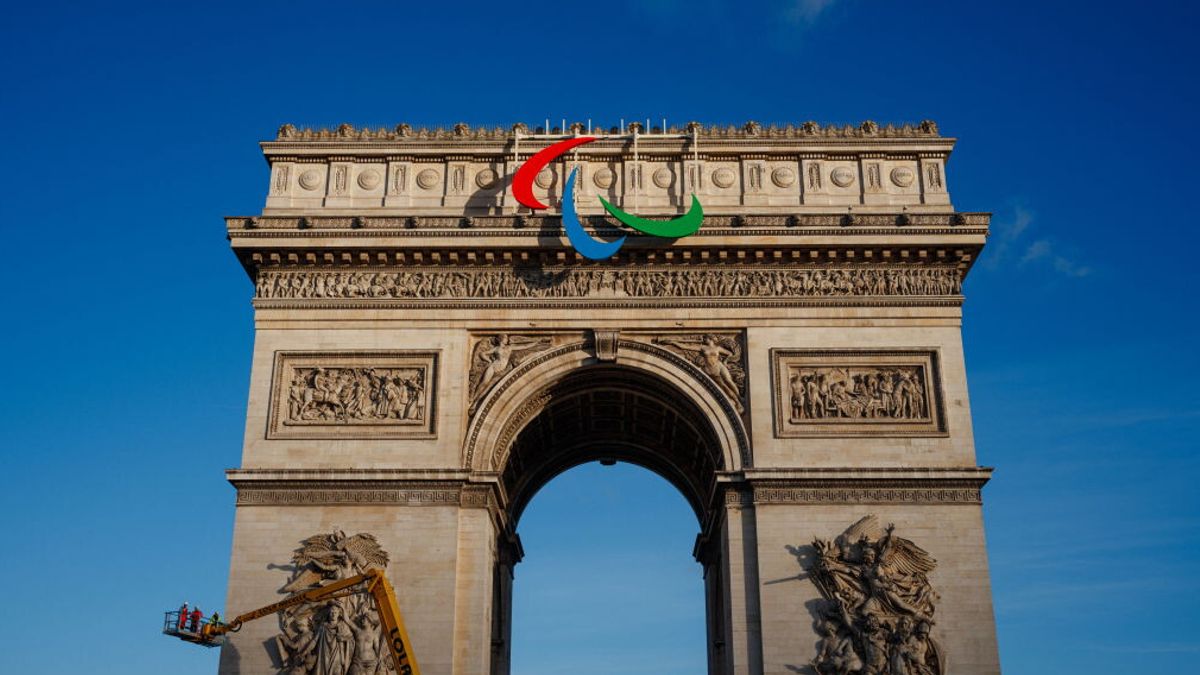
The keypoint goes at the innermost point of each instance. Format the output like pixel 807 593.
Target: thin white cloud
pixel 1036 251
pixel 1008 237
pixel 1070 267
pixel 807 11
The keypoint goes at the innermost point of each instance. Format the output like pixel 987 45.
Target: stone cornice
pixel 834 485
pixel 430 242
pixel 856 486
pixel 828 224
pixel 465 134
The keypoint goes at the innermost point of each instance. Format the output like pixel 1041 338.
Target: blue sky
pixel 132 129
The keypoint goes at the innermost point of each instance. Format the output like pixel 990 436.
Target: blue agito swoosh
pixel 583 242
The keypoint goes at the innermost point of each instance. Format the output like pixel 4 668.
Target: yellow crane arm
pixel 399 646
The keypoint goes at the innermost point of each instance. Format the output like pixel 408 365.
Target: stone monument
pixel 428 353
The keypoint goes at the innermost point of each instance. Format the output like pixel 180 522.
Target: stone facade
pixel 428 354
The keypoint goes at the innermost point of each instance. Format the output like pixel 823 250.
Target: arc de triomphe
pixel 428 354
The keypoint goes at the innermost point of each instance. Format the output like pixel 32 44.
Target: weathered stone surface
pixel 428 354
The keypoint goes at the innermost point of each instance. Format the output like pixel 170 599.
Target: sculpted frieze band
pixel 516 282
pixel 857 392
pixel 354 395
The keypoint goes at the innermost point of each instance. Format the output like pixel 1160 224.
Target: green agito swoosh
pixel 682 226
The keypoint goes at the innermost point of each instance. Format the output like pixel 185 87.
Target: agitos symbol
pixel 589 247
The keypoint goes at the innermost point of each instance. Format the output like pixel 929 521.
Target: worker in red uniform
pixel 196 616
pixel 183 616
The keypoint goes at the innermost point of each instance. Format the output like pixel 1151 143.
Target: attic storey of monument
pixel 429 353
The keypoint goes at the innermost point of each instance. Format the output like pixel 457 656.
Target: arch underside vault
pixel 607 412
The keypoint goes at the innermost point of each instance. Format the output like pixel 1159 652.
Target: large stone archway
pixel 428 354
pixel 641 405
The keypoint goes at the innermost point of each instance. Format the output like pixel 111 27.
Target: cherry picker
pixel 212 633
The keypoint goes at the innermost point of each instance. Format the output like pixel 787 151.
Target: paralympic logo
pixel 588 246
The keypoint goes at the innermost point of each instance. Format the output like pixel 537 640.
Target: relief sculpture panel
pixel 718 355
pixel 853 393
pixel 341 636
pixel 494 356
pixel 879 604
pixel 354 395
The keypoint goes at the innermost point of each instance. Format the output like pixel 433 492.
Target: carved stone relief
pixel 719 355
pixel 606 342
pixel 814 176
pixel 399 179
pixel 487 178
pixel 518 282
pixel 855 393
pixel 369 179
pixel 603 178
pixel 934 176
pixel 494 356
pixel 310 179
pixel 902 176
pixel 339 178
pixel 873 180
pixel 354 395
pixel 428 179
pixel 842 177
pixel 879 604
pixel 281 179
pixel 458 179
pixel 341 636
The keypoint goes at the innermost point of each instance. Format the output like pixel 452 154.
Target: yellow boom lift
pixel 212 634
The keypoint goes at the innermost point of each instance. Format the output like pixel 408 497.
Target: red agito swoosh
pixel 522 185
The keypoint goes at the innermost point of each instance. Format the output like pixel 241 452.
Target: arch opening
pixel 608 565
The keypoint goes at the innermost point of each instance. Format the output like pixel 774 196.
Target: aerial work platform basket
pixel 183 629
pixel 372 582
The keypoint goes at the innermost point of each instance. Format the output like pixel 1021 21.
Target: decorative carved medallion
pixel 842 177
pixel 717 355
pixel 494 356
pixel 662 178
pixel 354 395
pixel 486 178
pixel 879 604
pixel 723 178
pixel 902 176
pixel 338 636
pixel 603 178
pixel 310 180
pixel 428 179
pixel 783 177
pixel 369 179
pixel 544 179
pixel 857 393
